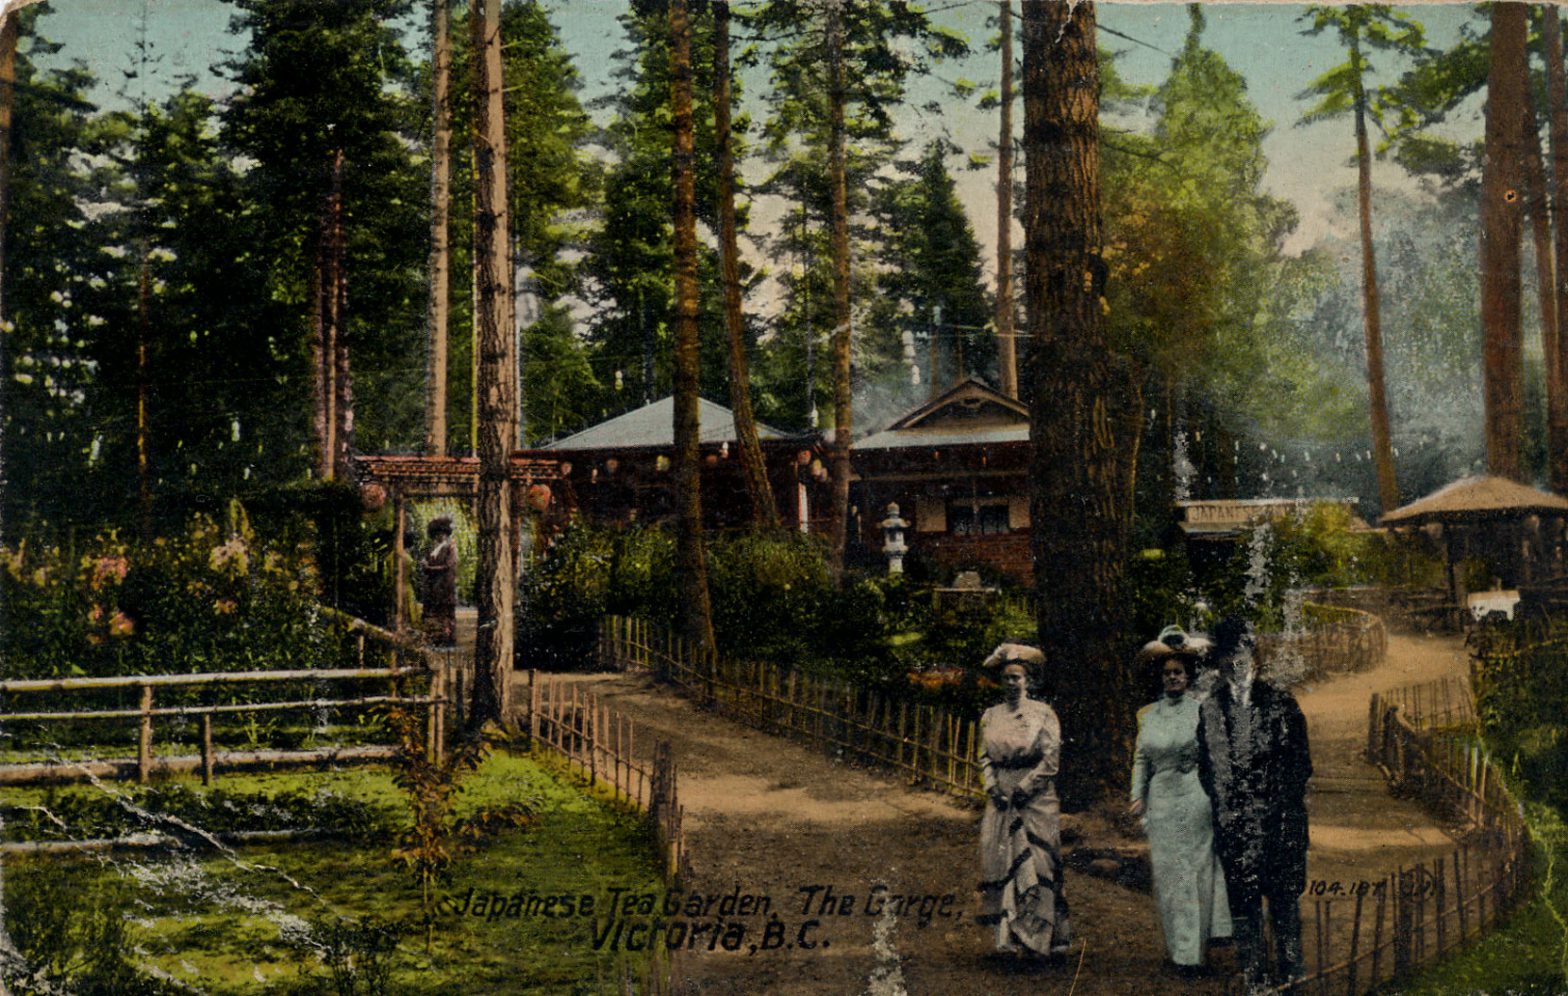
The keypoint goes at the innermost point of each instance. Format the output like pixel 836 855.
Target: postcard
pixel 804 496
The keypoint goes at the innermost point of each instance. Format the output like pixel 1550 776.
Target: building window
pixel 969 519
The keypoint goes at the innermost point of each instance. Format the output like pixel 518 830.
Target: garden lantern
pixel 893 539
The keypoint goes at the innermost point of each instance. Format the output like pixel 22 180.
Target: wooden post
pixel 144 745
pixel 1437 902
pixel 206 748
pixel 1355 944
pixel 1318 917
pixel 399 558
pixel 1372 731
pixel 1377 930
pixel 1459 897
pixel 1402 924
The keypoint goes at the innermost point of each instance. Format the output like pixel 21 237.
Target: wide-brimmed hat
pixel 1173 641
pixel 1014 653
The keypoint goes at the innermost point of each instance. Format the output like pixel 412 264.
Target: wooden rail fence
pixel 602 745
pixel 928 744
pixel 401 662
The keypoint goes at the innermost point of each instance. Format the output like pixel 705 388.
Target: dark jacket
pixel 1259 786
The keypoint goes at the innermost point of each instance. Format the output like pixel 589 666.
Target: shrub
pixel 214 598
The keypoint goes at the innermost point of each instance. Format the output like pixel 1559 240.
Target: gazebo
pixel 1519 531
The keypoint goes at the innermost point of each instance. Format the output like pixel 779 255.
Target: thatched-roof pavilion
pixel 1517 530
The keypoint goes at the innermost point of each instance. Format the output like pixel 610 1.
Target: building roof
pixel 971 412
pixel 653 426
pixel 1472 498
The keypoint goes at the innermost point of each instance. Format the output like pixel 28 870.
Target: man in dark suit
pixel 1254 763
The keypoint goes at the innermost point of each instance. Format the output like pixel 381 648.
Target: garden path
pixel 771 816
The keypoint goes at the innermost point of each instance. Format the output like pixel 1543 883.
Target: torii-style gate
pixel 402 478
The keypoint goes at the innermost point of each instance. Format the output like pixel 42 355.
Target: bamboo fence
pixel 1357 935
pixel 1332 640
pixel 1365 934
pixel 602 745
pixel 927 744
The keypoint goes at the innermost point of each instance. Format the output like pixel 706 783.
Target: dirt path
pixel 772 817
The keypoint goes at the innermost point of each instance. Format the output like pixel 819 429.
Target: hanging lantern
pixel 372 496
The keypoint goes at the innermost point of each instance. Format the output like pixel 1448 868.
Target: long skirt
pixel 1021 869
pixel 1189 887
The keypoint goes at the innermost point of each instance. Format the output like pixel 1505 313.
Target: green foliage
pixel 68 926
pixel 589 573
pixel 1313 547
pixel 210 599
pixel 771 594
pixel 315 79
pixel 930 281
pixel 63 815
pixel 1163 591
pixel 630 256
pixel 429 846
pixel 357 953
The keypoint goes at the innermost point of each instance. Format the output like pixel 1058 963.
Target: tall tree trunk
pixel 764 510
pixel 1502 346
pixel 1007 350
pixel 1377 391
pixel 143 333
pixel 843 402
pixel 440 252
pixel 497 376
pixel 323 344
pixel 342 379
pixel 696 613
pixel 1080 428
pixel 1533 170
pixel 1557 112
pixel 10 27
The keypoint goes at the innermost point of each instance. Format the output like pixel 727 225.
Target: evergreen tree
pixel 323 110
pixel 48 268
pixel 1341 91
pixel 929 277
pixel 630 254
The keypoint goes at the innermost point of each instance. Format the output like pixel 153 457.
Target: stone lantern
pixel 893 539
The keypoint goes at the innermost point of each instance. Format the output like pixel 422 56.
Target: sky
pixel 1263 42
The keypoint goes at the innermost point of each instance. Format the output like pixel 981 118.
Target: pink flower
pixel 121 624
pixel 232 556
pixel 109 569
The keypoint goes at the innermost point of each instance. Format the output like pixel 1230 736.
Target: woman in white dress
pixel 1189 886
pixel 1020 834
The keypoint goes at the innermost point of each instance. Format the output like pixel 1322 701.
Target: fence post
pixel 533 705
pixel 206 748
pixel 1402 922
pixel 144 741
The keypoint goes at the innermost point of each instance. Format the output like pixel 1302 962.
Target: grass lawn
pixel 247 921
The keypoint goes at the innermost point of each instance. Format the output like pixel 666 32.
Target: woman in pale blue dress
pixel 1189 886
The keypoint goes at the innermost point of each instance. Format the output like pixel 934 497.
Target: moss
pixel 234 922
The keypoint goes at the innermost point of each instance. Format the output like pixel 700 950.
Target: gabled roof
pixel 653 425
pixel 969 398
pixel 971 412
pixel 1483 497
